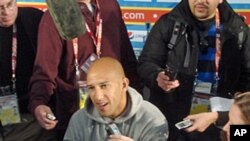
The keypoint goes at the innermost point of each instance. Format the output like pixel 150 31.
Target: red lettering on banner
pixel 141 16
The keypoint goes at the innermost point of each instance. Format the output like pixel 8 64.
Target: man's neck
pixel 205 25
pixel 207 18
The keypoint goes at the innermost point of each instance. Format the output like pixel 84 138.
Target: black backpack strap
pixel 188 53
pixel 241 38
pixel 175 33
pixel 241 34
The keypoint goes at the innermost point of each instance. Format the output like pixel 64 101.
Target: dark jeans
pixel 60 134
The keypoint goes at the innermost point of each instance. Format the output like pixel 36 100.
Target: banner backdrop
pixel 140 15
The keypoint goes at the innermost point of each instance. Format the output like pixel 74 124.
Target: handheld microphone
pixel 67 18
pixel 112 129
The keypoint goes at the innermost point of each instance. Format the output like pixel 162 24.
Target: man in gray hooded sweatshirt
pixel 114 111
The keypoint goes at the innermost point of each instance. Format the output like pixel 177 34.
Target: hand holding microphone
pixel 119 138
pixel 115 134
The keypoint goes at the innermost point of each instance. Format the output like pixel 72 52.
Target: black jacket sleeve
pixel 153 56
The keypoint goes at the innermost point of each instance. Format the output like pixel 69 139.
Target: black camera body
pixel 171 73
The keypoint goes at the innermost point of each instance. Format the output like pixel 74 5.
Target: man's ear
pixel 220 1
pixel 125 83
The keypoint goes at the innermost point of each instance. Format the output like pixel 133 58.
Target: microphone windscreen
pixel 67 17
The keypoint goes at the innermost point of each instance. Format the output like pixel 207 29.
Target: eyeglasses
pixel 9 6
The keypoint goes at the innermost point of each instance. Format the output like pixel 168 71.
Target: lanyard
pixel 97 37
pixel 217 42
pixel 75 48
pixel 14 54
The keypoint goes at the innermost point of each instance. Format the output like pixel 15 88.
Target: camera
pixel 171 72
pixel 112 129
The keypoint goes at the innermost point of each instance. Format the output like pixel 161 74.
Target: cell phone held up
pixel 171 72
pixel 184 124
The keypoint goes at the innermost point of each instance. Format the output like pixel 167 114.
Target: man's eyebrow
pixel 101 83
pixel 10 2
pixel 105 82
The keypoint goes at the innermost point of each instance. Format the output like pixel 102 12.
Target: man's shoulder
pixel 78 116
pixel 151 110
pixel 29 11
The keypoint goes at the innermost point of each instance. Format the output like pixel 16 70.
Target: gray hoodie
pixel 141 121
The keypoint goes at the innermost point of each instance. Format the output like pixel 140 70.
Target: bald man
pixel 112 102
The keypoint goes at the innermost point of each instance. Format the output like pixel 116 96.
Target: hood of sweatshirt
pixel 133 104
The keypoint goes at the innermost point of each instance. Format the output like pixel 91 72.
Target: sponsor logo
pixel 137 35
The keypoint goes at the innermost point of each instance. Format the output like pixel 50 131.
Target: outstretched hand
pixel 201 121
pixel 165 83
pixel 41 112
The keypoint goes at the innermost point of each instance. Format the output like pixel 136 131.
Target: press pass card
pixel 88 62
pixel 83 93
pixel 9 111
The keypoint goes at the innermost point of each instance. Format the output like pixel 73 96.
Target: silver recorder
pixel 51 117
pixel 112 129
pixel 184 124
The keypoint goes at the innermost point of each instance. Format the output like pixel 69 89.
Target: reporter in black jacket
pixel 192 54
